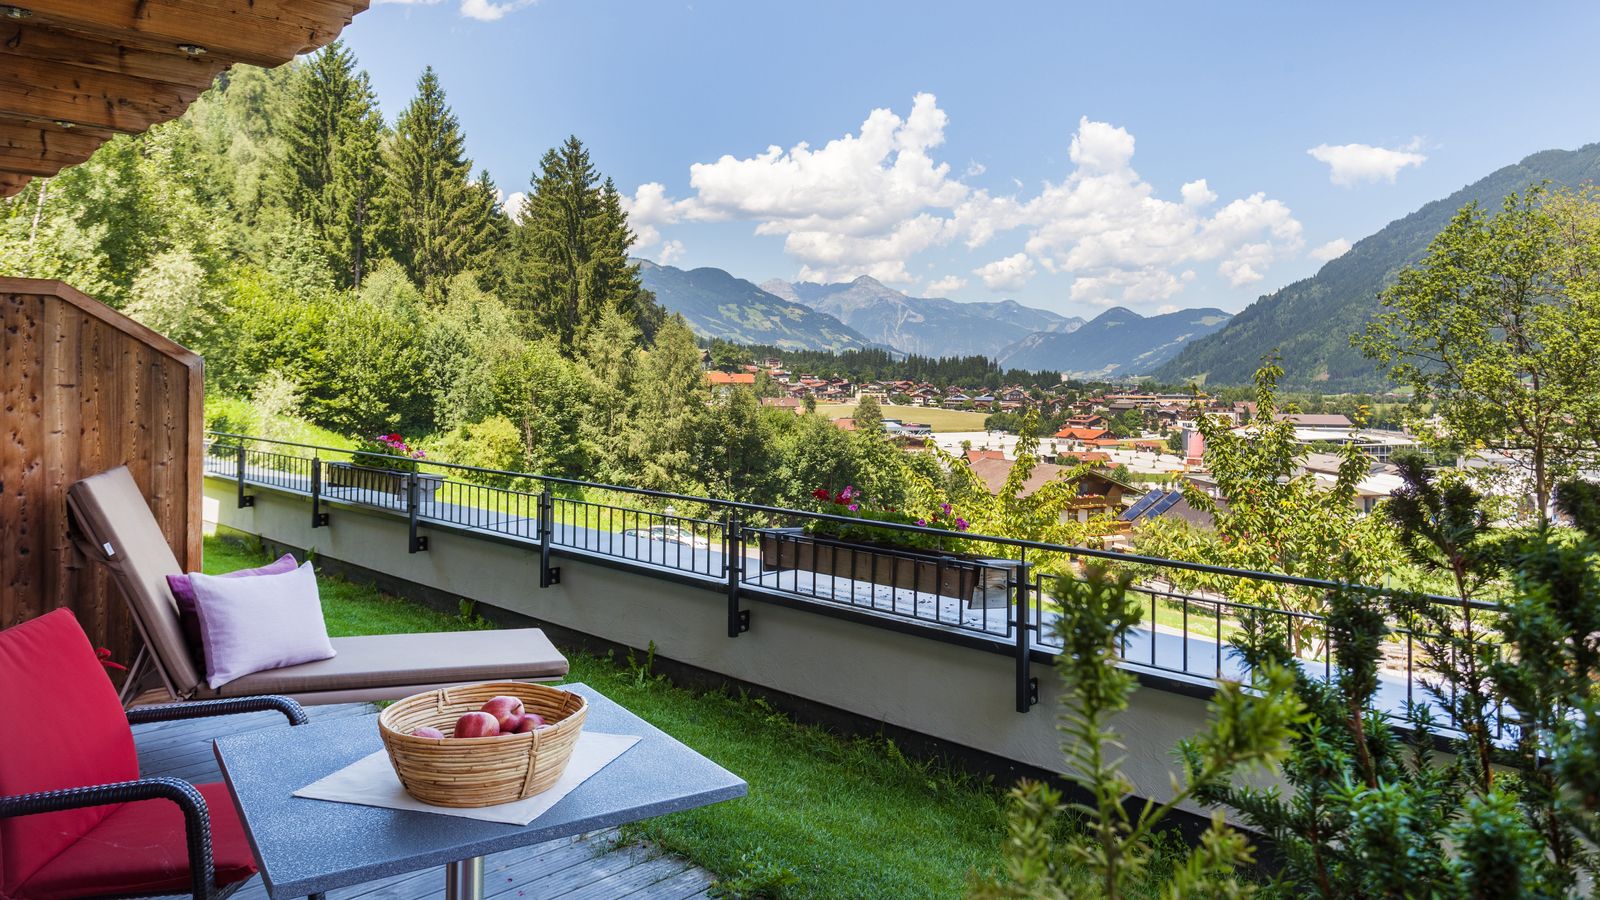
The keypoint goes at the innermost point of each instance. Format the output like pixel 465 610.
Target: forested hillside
pixel 1310 321
pixel 720 306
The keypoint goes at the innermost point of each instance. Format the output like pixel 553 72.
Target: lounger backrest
pixel 114 526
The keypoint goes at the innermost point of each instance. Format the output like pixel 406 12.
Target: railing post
pixel 319 519
pixel 548 574
pixel 733 562
pixel 418 542
pixel 1027 685
pixel 244 499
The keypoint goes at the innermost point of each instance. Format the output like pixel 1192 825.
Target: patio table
pixel 306 846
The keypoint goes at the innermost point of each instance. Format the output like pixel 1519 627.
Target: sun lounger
pixel 113 525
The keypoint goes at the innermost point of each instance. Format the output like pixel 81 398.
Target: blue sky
pixel 1050 152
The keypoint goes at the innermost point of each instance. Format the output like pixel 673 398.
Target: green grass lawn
pixel 826 817
pixel 937 419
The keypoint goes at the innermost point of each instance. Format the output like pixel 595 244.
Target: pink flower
pixel 853 507
pixel 945 507
pixel 922 521
pixel 961 524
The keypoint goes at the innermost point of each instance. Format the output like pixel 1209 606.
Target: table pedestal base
pixel 463 879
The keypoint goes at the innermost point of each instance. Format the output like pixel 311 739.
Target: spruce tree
pixel 572 261
pixel 433 211
pixel 352 198
pixel 331 158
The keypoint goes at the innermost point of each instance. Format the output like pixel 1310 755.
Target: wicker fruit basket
pixel 472 772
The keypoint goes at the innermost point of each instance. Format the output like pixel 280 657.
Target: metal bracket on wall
pixel 319 519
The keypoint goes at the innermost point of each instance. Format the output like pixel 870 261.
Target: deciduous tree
pixel 1498 330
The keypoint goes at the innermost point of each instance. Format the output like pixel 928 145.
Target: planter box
pixel 962 577
pixel 383 481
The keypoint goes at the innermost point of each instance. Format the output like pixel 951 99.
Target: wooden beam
pixel 52 92
pixel 259 32
pixel 138 59
pixel 35 148
pixel 12 184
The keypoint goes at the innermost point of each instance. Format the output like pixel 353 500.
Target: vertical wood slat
pixel 84 389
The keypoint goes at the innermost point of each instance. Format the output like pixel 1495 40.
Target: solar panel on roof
pixel 1139 506
pixel 1166 503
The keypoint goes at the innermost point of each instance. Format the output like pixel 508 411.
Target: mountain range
pixel 926 326
pixel 1115 343
pixel 1310 321
pixel 718 305
pixel 867 313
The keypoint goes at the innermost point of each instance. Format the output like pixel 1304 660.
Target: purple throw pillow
pixel 259 623
pixel 189 620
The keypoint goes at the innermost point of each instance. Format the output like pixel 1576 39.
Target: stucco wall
pixel 957 694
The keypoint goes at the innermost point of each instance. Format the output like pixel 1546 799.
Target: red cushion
pixel 64 727
pixel 141 849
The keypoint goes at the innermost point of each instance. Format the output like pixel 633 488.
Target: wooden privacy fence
pixel 83 389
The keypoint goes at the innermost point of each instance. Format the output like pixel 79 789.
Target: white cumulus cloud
pixel 1105 224
pixel 870 201
pixel 482 10
pixel 489 10
pixel 949 284
pixel 1351 164
pixel 1331 250
pixel 670 252
pixel 1008 274
pixel 513 204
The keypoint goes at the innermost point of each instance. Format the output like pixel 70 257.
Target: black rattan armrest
pixel 196 819
pixel 197 709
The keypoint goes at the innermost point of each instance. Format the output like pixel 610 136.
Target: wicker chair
pixel 76 820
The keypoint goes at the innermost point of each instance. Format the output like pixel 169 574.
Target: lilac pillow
pixel 184 594
pixel 259 623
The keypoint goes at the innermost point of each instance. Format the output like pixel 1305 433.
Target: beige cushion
pixel 386 660
pixel 116 528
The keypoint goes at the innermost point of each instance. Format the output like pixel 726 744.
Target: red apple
pixel 529 722
pixel 425 731
pixel 507 711
pixel 476 725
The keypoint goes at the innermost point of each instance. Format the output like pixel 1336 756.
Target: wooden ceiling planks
pixel 75 72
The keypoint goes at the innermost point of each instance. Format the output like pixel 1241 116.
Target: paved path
pixel 588 866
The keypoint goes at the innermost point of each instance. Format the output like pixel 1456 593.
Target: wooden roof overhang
pixel 76 72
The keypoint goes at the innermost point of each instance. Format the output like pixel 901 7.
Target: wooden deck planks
pixel 589 867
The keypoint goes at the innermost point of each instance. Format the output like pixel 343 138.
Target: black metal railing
pixel 997 592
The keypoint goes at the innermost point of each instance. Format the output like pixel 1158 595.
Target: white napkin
pixel 370 781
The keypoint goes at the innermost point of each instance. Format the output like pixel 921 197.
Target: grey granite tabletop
pixel 305 846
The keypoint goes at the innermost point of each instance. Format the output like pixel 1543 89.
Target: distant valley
pixel 867 313
pixel 926 326
pixel 1116 343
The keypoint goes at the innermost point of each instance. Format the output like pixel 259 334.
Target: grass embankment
pixel 937 419
pixel 826 817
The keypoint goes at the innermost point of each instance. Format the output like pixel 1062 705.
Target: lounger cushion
pixel 140 848
pixel 117 529
pixel 388 660
pixel 259 623
pixel 61 726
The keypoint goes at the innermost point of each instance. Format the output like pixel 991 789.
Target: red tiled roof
pixel 1081 434
pixel 730 378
